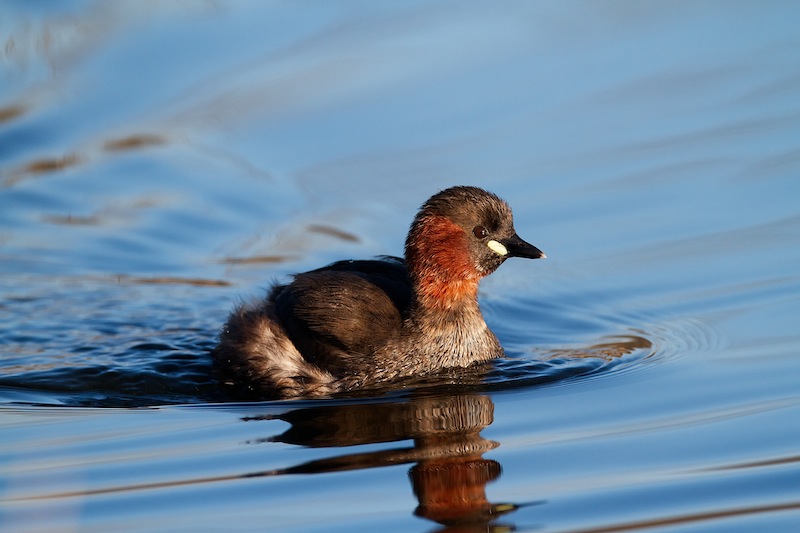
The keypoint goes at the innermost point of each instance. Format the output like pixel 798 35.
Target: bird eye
pixel 480 232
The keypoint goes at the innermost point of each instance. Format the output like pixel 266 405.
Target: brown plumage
pixel 355 324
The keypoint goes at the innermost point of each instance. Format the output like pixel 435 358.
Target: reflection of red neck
pixel 453 491
pixel 439 264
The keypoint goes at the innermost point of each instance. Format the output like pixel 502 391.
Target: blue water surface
pixel 161 162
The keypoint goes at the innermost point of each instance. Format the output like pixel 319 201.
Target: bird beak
pixel 516 247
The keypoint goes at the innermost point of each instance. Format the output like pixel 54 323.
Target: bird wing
pixel 338 315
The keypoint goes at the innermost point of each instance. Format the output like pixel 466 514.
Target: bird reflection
pixel 449 475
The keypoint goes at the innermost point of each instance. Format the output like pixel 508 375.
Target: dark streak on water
pixel 112 364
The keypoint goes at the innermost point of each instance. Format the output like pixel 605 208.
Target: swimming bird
pixel 362 323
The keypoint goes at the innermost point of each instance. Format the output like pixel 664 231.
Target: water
pixel 159 163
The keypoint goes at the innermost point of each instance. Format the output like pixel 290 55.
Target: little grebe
pixel 355 324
